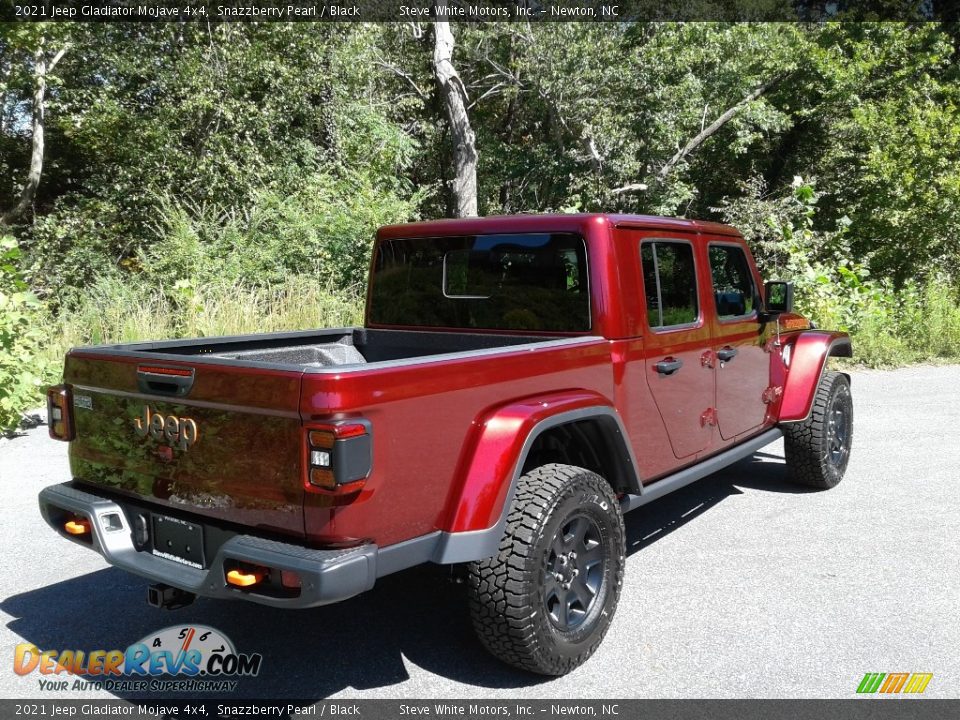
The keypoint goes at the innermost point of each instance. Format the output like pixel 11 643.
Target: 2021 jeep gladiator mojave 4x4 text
pixel 519 383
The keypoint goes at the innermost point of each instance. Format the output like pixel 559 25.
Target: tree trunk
pixel 29 191
pixel 463 187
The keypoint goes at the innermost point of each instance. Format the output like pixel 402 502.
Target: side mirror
pixel 778 297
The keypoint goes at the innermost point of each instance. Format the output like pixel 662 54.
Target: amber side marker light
pixel 245 578
pixel 60 412
pixel 78 526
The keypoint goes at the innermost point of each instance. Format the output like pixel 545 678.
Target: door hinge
pixel 709 417
pixel 772 394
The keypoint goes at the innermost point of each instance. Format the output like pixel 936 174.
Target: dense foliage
pixel 186 166
pixel 20 368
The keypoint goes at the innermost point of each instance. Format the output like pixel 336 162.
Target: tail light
pixel 338 456
pixel 60 412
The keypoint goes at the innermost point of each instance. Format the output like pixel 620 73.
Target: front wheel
pixel 545 601
pixel 818 449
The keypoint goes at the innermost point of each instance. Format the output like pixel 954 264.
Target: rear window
pixel 530 281
pixel 670 283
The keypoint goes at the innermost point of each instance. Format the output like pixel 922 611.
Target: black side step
pixel 693 473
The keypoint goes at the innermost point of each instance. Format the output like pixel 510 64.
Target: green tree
pixel 220 118
pixel 20 373
pixel 19 42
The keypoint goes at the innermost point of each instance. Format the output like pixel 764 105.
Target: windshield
pixel 529 281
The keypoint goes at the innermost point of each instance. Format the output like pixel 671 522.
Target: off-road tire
pixel 515 596
pixel 818 449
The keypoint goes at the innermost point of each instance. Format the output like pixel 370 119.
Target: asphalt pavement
pixel 739 586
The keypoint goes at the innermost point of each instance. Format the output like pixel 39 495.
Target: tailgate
pixel 222 441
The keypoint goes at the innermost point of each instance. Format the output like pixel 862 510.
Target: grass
pixel 915 325
pixel 115 312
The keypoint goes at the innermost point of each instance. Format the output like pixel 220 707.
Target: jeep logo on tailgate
pixel 182 431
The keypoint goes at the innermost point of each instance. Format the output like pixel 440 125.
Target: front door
pixel 679 374
pixel 743 366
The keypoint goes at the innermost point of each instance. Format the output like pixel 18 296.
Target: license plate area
pixel 178 540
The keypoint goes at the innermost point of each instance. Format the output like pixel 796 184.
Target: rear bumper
pixel 327 576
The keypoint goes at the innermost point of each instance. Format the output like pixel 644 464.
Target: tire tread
pixel 803 442
pixel 502 617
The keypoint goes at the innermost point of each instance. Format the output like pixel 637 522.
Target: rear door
pixel 217 440
pixel 679 374
pixel 743 365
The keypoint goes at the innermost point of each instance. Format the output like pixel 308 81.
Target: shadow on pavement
pixel 415 617
pixel 761 471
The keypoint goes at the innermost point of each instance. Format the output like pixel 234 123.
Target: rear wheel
pixel 545 601
pixel 818 449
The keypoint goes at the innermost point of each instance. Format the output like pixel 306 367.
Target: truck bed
pixel 340 347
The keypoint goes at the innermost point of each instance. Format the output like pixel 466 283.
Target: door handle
pixel 668 366
pixel 727 354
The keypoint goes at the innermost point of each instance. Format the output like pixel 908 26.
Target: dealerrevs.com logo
pixel 191 658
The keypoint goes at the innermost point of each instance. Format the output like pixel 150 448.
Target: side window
pixel 670 283
pixel 733 288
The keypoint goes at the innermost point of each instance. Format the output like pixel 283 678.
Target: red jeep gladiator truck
pixel 519 383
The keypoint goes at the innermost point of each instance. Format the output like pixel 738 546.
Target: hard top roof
pixel 555 222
